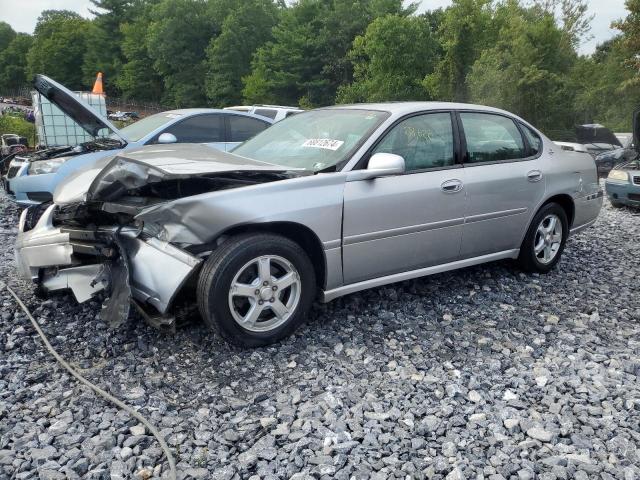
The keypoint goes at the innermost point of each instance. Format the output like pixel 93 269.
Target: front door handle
pixel 451 186
pixel 534 175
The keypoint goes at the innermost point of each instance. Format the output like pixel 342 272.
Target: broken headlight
pixel 52 165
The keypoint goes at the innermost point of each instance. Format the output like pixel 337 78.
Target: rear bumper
pixel 81 260
pixel 587 209
pixel 626 193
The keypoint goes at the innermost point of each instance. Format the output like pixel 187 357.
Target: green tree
pixel 13 62
pixel 466 29
pixel 572 17
pixel 390 60
pixel 306 61
pixel 527 71
pixel 178 35
pixel 630 39
pixel 606 88
pixel 58 47
pixel 104 40
pixel 137 77
pixel 229 55
pixel 7 34
pixel 49 21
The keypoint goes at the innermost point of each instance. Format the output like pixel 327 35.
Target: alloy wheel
pixel 264 293
pixel 548 239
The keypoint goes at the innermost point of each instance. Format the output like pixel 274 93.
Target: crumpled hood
pixel 109 178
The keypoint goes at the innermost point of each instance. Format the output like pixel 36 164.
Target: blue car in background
pixel 33 177
pixel 623 184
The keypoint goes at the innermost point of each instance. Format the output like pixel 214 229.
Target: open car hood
pixel 83 114
pixel 114 177
pixel 636 129
pixel 596 133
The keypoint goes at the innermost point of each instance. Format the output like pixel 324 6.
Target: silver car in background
pixel 328 202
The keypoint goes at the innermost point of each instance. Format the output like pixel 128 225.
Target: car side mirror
pixel 380 165
pixel 167 138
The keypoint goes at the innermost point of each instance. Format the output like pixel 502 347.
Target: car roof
pixel 276 107
pixel 408 107
pixel 196 111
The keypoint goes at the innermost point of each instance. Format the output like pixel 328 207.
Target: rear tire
pixel 615 204
pixel 545 239
pixel 256 289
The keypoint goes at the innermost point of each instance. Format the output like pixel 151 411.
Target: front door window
pixel 424 141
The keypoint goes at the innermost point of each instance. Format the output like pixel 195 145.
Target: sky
pixel 22 15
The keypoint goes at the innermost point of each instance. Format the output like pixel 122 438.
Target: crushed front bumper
pixel 86 261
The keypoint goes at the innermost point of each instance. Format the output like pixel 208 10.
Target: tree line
pixel 517 55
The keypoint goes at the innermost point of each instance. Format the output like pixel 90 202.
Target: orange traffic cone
pixel 97 87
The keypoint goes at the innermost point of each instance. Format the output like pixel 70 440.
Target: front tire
pixel 255 289
pixel 545 239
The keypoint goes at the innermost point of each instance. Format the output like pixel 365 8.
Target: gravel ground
pixel 481 373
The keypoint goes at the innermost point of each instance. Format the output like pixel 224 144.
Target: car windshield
pixel 315 140
pixel 141 128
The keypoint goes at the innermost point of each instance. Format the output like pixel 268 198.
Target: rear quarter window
pixel 533 139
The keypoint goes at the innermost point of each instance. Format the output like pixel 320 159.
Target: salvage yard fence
pixel 114 104
pixel 142 108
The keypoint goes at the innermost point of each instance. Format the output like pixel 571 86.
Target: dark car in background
pixel 599 142
pixel 605 161
pixel 597 138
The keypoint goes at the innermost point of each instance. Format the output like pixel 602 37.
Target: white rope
pixel 95 388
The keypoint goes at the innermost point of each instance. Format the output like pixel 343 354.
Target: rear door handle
pixel 534 175
pixel 451 186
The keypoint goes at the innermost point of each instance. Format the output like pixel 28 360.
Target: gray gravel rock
pixel 484 373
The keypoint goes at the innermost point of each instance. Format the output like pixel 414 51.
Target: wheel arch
pixel 564 200
pixel 567 204
pixel 296 232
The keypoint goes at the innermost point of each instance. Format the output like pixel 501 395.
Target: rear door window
pixel 491 138
pixel 199 129
pixel 242 128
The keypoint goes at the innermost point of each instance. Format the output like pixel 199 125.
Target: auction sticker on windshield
pixel 325 143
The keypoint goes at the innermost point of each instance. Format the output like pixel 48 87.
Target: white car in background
pixel 274 112
pixel 626 139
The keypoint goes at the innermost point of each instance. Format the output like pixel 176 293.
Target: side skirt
pixel 328 295
pixel 575 230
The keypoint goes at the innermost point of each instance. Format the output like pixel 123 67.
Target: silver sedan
pixel 325 203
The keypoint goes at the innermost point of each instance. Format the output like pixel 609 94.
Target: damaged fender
pixel 146 269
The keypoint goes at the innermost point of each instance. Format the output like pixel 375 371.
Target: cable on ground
pixel 95 388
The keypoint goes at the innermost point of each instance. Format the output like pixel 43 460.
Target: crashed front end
pixel 66 248
pixel 93 238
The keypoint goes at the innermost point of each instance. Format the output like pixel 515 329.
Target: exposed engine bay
pixel 96 145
